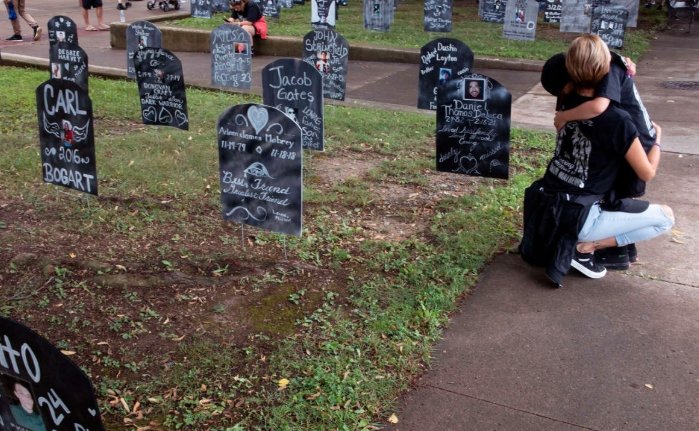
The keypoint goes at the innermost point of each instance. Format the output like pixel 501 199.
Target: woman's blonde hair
pixel 587 60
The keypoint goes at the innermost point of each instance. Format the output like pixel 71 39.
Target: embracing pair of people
pixel 584 212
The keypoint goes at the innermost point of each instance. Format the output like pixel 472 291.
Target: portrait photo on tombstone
pixel 444 75
pixel 20 402
pixel 474 89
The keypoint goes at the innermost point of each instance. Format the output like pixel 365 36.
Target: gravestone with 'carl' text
pixel 440 61
pixel 62 29
pixel 231 57
pixel 437 15
pixel 68 61
pixel 328 52
pixel 139 35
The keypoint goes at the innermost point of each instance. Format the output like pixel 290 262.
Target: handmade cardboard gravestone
pixel 441 60
pixel 576 14
pixel 200 8
pixel 68 61
pixel 438 15
pixel 328 52
pixel 609 22
pixel 261 165
pixel 270 8
pixel 552 11
pixel 35 373
pixel 300 2
pixel 220 5
pixel 231 59
pixel 520 20
pixel 473 127
pixel 161 88
pixel 139 35
pixel 378 14
pixel 323 13
pixel 342 3
pixel 632 7
pixel 66 135
pixel 62 29
pixel 492 10
pixel 296 88
pixel 286 4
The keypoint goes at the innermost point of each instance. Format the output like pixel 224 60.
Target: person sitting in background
pixel 248 16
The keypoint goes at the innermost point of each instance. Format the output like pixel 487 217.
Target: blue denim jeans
pixel 627 228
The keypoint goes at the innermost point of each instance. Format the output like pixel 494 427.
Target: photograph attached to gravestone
pixel 270 8
pixel 438 15
pixel 440 61
pixel 231 57
pixel 328 52
pixel 552 11
pixel 296 88
pixel 200 8
pixel 40 388
pixel 66 135
pixel 492 10
pixel 609 22
pixel 323 13
pixel 139 35
pixel 261 166
pixel 520 20
pixel 378 14
pixel 473 127
pixel 68 61
pixel 161 88
pixel 62 29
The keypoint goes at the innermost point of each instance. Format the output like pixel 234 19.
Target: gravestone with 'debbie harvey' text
pixel 437 15
pixel 441 60
pixel 139 35
pixel 231 57
pixel 68 61
pixel 62 29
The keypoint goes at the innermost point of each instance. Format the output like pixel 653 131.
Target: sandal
pixel 90 28
pixel 103 27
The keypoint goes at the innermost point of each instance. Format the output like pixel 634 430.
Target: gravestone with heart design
pixel 62 29
pixel 68 61
pixel 139 35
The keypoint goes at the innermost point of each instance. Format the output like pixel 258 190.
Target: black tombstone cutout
pixel 68 61
pixel 270 8
pixel 296 88
pixel 552 11
pixel 261 165
pixel 378 14
pixel 33 370
pixel 342 3
pixel 438 15
pixel 300 2
pixel 286 4
pixel 631 6
pixel 492 10
pixel 220 5
pixel 520 20
pixel 66 135
pixel 609 22
pixel 200 8
pixel 231 57
pixel 576 14
pixel 441 60
pixel 139 35
pixel 473 127
pixel 62 29
pixel 323 13
pixel 328 52
pixel 161 88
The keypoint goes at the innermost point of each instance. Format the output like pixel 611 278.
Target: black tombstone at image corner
pixel 161 88
pixel 378 14
pixel 200 8
pixel 609 22
pixel 473 127
pixel 231 57
pixel 520 20
pixel 323 13
pixel 328 52
pixel 492 10
pixel 62 29
pixel 66 135
pixel 68 61
pixel 296 88
pixel 552 11
pixel 441 60
pixel 437 15
pixel 62 394
pixel 140 34
pixel 261 166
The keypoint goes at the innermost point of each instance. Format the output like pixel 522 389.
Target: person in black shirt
pixel 248 15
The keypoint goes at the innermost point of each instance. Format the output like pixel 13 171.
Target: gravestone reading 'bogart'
pixel 270 8
pixel 68 61
pixel 609 22
pixel 378 14
pixel 441 60
pixel 323 13
pixel 62 29
pixel 492 10
pixel 231 57
pixel 261 165
pixel 161 88
pixel 200 8
pixel 438 15
pixel 296 88
pixel 520 20
pixel 40 388
pixel 66 135
pixel 328 52
pixel 473 127
pixel 139 35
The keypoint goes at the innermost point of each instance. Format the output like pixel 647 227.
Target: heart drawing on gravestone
pixel 149 114
pixel 165 116
pixel 181 117
pixel 93 412
pixel 258 118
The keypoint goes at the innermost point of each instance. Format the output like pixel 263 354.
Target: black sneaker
pixel 15 38
pixel 120 6
pixel 632 252
pixel 37 33
pixel 585 263
pixel 614 258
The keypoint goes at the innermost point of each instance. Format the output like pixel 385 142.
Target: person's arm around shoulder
pixel 645 165
pixel 584 111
